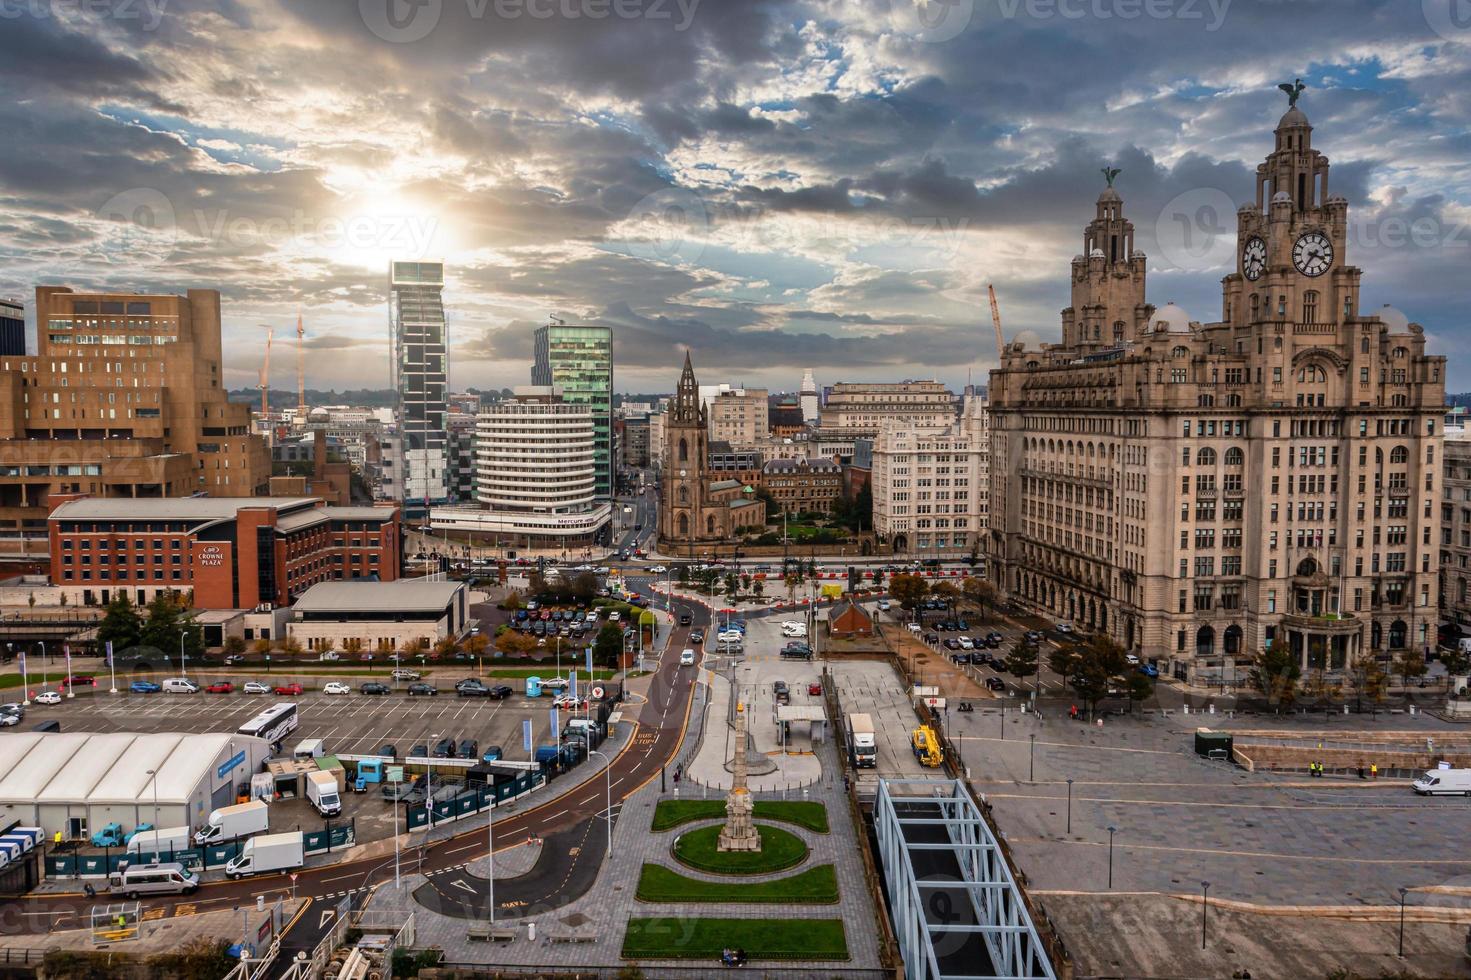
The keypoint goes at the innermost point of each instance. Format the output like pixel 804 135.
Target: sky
pixel 774 184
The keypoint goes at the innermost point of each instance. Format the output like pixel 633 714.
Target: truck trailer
pixel 230 822
pixel 267 853
pixel 164 841
pixel 323 792
pixel 862 748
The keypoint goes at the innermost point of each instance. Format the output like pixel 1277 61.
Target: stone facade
pixel 803 485
pixel 931 486
pixel 739 416
pixel 1455 531
pixel 1200 491
pixel 858 410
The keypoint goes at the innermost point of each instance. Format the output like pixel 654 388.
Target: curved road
pixel 653 743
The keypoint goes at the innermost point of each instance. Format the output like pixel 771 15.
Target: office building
pixel 535 475
pixel 808 402
pixel 579 361
pixel 12 328
pixel 229 554
pixel 803 486
pixel 1455 531
pixel 1204 490
pixel 930 486
pixel 421 381
pixel 380 616
pixel 856 411
pixel 123 399
pixel 739 416
pixel 636 440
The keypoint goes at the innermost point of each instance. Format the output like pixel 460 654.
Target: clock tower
pixel 1108 307
pixel 686 435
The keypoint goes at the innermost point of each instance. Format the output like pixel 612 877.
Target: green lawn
pixel 815 886
pixel 762 939
pixel 780 849
pixel 672 813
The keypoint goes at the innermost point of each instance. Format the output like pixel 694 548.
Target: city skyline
pixel 787 186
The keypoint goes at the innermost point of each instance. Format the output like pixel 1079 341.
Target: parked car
pixel 995 684
pixel 141 687
pixel 420 751
pixel 404 674
pixel 469 748
pixel 421 689
pixel 815 689
pixel 54 697
pixel 912 627
pixel 220 687
pixel 471 688
pixel 1149 670
pixel 7 719
pixel 336 687
pixel 966 643
pixel 375 687
pixel 288 690
pixel 492 753
pixel 499 692
pixel 961 659
pixel 389 751
pixel 444 748
pixel 256 687
pixel 951 643
pixel 932 637
pixel 569 703
pixel 79 680
pixel 330 655
pixel 780 692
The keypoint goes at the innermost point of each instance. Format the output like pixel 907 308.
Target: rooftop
pixel 402 596
pixel 107 768
pixel 170 508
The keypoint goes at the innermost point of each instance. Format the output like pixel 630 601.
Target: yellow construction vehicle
pixel 927 746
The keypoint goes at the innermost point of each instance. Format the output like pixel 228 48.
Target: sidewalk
pixel 707 768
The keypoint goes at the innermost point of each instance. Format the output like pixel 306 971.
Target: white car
pixel 568 701
pixel 1064 627
pixel 912 627
pixel 47 697
pixel 658 569
pixel 330 655
pixel 966 643
pixel 687 658
pixel 7 720
pixel 614 616
pixel 883 605
pixel 336 687
pixel 256 687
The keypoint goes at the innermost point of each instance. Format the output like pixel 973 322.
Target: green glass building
pixel 579 360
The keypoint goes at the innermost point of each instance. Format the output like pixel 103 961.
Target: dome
pixel 1248 206
pixel 1078 257
pixel 1028 340
pixel 1171 319
pixel 1281 197
pixel 1138 253
pixel 1393 319
pixel 1097 253
pixel 1109 196
pixel 1292 117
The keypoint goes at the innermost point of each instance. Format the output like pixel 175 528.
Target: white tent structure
pixel 76 783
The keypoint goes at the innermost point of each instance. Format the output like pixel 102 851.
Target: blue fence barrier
pixel 473 800
pixel 74 865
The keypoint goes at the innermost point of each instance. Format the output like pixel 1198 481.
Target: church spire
pixel 687 395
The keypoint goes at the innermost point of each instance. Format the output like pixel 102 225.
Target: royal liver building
pixel 1201 491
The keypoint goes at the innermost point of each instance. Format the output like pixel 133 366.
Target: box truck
pixel 230 822
pixel 322 791
pixel 1443 782
pixel 164 841
pixel 266 853
pixel 310 748
pixel 862 749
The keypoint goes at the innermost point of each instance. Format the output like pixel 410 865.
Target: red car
pixel 815 689
pixel 220 687
pixel 292 689
pixel 80 680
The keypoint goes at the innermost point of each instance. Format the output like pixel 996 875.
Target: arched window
pixel 1205 642
pixel 710 524
pixel 1399 454
pixel 1180 352
pixel 684 525
pixel 1235 457
pixel 1206 457
pixel 1399 352
pixel 1308 566
pixel 684 451
pixel 1118 331
pixel 684 494
pixel 1397 634
pixel 1310 306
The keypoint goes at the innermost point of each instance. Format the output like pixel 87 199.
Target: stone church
pixel 697 513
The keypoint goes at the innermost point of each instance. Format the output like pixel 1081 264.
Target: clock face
pixel 1254 258
pixel 1312 254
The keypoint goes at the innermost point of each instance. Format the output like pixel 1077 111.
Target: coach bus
pixel 273 724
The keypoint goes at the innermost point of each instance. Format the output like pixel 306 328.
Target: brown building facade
pixel 803 485
pixel 124 398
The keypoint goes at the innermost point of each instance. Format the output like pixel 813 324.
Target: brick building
pixel 803 485
pixel 230 554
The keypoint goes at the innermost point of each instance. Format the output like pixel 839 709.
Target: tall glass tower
pixel 421 365
pixel 579 360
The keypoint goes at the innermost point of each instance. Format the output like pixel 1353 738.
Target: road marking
pixel 327 916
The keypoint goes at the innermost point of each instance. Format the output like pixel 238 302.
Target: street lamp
pixel 1111 831
pixel 429 784
pixel 154 774
pixel 1402 892
pixel 1205 904
pixel 608 790
pixel 1070 806
pixel 1032 760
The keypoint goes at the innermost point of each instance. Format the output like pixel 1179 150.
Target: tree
pixel 947 593
pixel 291 647
pixel 878 578
pixel 353 646
pixel 608 648
pixel 910 590
pixel 1140 687
pixel 746 581
pixel 732 583
pixel 168 621
pixel 513 602
pixel 1410 663
pixel 261 648
pixel 446 648
pixel 1022 660
pixel 234 646
pixel 1090 667
pixel 979 591
pixel 1275 672
pixel 683 575
pixel 510 643
pixel 1369 679
pixel 584 586
pixel 120 623
pixel 476 644
pixel 1455 662
pixel 757 587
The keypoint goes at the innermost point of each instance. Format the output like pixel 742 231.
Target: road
pixel 653 743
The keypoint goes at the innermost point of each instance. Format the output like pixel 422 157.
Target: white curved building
pixel 535 474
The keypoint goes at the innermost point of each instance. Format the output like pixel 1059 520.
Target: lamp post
pixel 490 859
pixel 1069 806
pixel 608 790
pixel 1205 904
pixel 25 677
pixel 1032 760
pixel 1402 892
pixel 154 774
pixel 429 785
pixel 183 672
pixel 1111 831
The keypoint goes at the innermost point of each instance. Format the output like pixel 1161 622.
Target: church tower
pixel 1108 279
pixel 685 455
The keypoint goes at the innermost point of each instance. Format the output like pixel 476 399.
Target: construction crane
pixel 265 376
pixel 300 368
pixel 996 321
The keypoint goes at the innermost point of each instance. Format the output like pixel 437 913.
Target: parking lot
pixel 873 687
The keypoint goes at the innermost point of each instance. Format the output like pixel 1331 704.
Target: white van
pixel 152 879
pixel 180 685
pixel 1443 782
pixel 687 658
